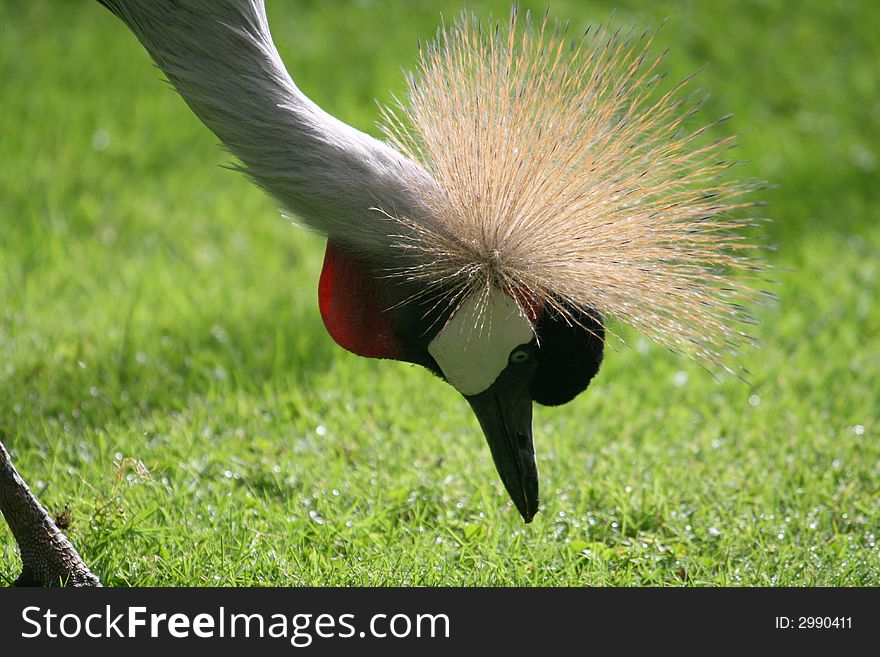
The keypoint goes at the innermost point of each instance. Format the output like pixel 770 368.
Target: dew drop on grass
pixel 100 140
pixel 218 333
pixel 754 401
pixel 863 158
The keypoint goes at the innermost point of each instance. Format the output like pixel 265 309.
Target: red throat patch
pixel 350 307
pixel 529 303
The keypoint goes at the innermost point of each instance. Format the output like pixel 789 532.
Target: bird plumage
pixel 563 169
pixel 522 159
pixel 220 57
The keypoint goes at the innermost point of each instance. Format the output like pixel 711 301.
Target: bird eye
pixel 519 356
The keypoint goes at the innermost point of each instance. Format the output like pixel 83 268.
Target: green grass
pixel 164 371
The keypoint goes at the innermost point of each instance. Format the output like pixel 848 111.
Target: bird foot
pixel 76 576
pixel 48 557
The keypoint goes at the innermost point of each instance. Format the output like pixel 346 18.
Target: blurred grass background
pixel 164 373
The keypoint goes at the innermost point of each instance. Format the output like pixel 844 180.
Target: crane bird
pixel 531 186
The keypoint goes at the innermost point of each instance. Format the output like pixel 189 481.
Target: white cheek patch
pixel 473 348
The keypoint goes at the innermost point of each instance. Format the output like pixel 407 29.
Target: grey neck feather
pixel 220 57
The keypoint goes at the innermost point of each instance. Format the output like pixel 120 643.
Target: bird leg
pixel 48 557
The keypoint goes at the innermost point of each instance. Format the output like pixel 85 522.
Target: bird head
pixel 500 352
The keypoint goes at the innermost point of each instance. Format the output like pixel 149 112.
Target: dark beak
pixel 505 413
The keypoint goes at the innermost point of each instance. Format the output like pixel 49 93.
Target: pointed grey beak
pixel 505 414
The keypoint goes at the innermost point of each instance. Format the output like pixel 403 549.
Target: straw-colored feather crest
pixel 563 170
